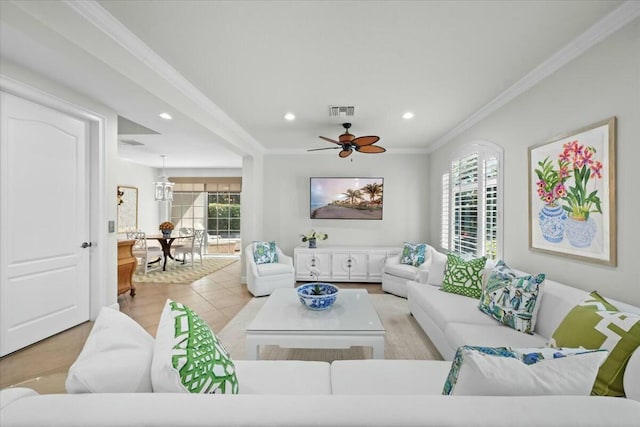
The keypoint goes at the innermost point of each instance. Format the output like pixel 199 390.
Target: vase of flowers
pixel 166 228
pixel 551 189
pixel 312 237
pixel 581 201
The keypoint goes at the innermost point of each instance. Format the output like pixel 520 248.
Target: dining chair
pixel 185 247
pixel 199 237
pixel 144 252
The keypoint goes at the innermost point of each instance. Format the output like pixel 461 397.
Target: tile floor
pixel 217 298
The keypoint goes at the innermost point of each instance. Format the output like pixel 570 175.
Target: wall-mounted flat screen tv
pixel 346 198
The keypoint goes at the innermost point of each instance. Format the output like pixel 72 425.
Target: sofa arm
pixel 422 275
pixel 10 395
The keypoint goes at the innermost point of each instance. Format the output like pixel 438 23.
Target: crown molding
pixel 606 26
pixel 95 14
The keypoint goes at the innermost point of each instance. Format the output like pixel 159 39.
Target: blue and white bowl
pixel 317 302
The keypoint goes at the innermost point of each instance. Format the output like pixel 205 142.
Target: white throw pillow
pixel 436 268
pixel 188 357
pixel 502 371
pixel 116 358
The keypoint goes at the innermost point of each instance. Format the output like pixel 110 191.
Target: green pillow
pixel 463 277
pixel 413 254
pixel 188 356
pixel 595 323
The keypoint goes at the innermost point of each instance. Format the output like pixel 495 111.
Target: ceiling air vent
pixel 341 110
pixel 130 142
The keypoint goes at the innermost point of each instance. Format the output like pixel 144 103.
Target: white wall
pixel 603 82
pixel 286 199
pixel 135 175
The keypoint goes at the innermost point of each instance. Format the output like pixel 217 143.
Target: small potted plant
pixel 166 228
pixel 312 236
pixel 317 295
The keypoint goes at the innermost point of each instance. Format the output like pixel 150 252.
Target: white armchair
pixel 395 274
pixel 262 279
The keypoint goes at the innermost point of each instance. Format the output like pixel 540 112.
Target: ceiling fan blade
pixel 345 153
pixel 370 149
pixel 365 140
pixel 329 140
pixel 327 148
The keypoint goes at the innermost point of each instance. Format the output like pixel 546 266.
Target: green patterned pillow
pixel 265 252
pixel 512 299
pixel 595 323
pixel 463 277
pixel 413 254
pixel 188 357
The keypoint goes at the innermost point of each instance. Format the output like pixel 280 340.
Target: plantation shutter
pixel 444 218
pixel 464 192
pixel 491 208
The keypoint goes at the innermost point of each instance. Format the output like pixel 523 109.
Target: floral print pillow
pixel 413 254
pixel 512 299
pixel 265 252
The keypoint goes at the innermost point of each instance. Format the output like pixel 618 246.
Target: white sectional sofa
pixel 452 320
pixel 293 393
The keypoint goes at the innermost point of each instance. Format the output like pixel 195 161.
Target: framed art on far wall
pixel 127 208
pixel 572 194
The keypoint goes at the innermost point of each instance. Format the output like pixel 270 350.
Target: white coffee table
pixel 284 321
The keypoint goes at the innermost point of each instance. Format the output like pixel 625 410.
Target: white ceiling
pixel 229 70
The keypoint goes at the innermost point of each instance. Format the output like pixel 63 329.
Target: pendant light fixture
pixel 164 188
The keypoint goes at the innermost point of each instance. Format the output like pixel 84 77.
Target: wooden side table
pixel 127 264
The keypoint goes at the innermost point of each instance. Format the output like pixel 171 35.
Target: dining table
pixel 165 244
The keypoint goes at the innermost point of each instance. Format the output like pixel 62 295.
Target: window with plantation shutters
pixel 471 203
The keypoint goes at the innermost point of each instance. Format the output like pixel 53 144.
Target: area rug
pixel 183 273
pixel 404 338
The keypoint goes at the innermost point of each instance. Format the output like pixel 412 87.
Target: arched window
pixel 472 201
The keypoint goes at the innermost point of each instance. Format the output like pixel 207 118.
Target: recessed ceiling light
pixel 290 116
pixel 408 115
pixel 165 116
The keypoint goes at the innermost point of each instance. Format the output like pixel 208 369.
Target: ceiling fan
pixel 348 142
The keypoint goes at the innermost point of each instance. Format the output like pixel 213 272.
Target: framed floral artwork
pixel 127 209
pixel 572 200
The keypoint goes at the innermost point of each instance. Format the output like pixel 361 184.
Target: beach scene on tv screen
pixel 346 198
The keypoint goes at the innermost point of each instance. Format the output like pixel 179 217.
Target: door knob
pixel 85 245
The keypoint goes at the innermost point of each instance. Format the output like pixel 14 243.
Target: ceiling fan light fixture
pixel 165 116
pixel 408 115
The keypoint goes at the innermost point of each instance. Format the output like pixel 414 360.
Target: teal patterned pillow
pixel 413 254
pixel 188 357
pixel 265 252
pixel 502 371
pixel 512 300
pixel 463 277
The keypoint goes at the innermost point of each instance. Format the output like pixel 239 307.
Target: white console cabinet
pixel 342 263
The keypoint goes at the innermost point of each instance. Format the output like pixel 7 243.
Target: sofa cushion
pixel 496 335
pixel 413 254
pixel 116 357
pixel 444 308
pixel 505 371
pixel 595 323
pixel 512 299
pixel 436 264
pixel 188 357
pixel 386 377
pixel 632 376
pixel 464 277
pixel 265 252
pixel 273 269
pixel 291 377
pixel 401 270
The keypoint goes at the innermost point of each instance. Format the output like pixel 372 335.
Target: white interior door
pixel 44 220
